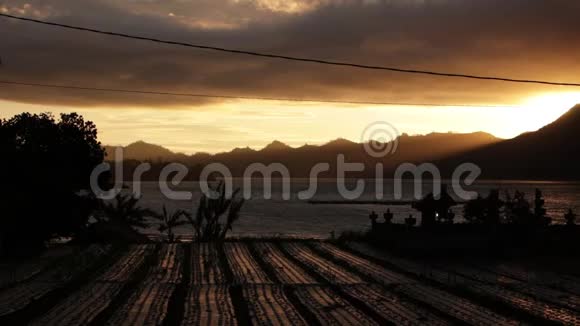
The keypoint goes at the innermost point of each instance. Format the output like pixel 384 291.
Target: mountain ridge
pixel 550 153
pixel 145 151
pixel 300 160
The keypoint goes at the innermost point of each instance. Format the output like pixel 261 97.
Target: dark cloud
pixel 517 38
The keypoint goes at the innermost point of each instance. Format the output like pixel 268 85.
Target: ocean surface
pixel 299 218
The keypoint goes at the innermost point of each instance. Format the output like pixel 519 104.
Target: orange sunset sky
pixel 527 39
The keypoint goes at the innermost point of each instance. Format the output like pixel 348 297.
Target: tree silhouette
pixel 474 210
pixel 570 218
pixel 45 174
pixel 484 210
pixel 493 208
pixel 517 209
pixel 539 210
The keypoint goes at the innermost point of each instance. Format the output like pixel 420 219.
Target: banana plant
pixel 169 221
pixel 124 210
pixel 207 223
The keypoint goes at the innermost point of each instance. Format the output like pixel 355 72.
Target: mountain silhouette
pixel 338 143
pixel 300 160
pixel 276 146
pixel 142 151
pixel 550 153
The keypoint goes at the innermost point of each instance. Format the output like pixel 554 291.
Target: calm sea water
pixel 294 217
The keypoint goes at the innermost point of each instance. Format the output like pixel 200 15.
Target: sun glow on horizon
pixel 543 109
pixel 224 126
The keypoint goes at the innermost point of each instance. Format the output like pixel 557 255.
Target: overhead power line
pixel 234 97
pixel 294 58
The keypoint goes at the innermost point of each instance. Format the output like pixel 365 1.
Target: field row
pixel 20 294
pixel 12 273
pixel 536 300
pixel 265 283
pixel 446 303
pixel 86 303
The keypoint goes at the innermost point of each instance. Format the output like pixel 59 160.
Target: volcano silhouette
pixel 551 153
